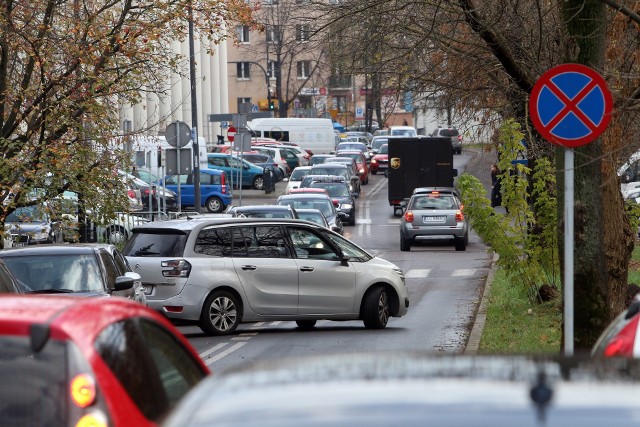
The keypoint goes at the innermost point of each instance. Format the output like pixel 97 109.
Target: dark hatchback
pixel 338 190
pixel 83 270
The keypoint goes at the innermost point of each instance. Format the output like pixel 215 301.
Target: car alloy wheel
pixel 376 310
pixel 220 314
pixel 214 205
pixel 258 183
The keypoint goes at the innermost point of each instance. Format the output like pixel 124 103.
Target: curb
pixel 473 342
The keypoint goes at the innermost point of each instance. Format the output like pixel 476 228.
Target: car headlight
pixel 346 206
pixel 362 170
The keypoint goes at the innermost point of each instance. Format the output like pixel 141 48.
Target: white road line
pixel 463 272
pixel 364 221
pixel 368 213
pixel 257 325
pixel 249 334
pixel 276 323
pixel 224 353
pixel 240 338
pixel 416 273
pixel 212 349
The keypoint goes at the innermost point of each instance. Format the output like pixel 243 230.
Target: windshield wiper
pixel 52 291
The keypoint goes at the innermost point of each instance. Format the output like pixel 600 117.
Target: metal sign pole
pixel 179 147
pixel 568 249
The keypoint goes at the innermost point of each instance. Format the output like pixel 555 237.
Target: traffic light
pixel 272 105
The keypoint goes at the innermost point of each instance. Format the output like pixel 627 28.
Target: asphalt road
pixel 445 288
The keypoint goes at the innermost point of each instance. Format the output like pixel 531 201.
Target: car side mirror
pixel 342 215
pixel 123 283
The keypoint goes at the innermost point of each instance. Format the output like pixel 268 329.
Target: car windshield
pixel 323 205
pixel 377 143
pixel 298 174
pixel 57 273
pixel 348 146
pixel 434 202
pixel 448 132
pixel 334 190
pixel 384 149
pixel 27 214
pixel 315 217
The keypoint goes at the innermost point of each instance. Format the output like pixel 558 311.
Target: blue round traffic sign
pixel 570 105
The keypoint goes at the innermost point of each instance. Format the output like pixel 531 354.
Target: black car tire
pixel 405 244
pixel 220 314
pixel 352 218
pixel 306 324
pixel 258 183
pixel 214 205
pixel 460 244
pixel 376 309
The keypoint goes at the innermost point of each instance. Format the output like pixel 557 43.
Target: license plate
pixel 147 289
pixel 434 218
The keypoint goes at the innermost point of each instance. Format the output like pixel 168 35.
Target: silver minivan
pixel 219 272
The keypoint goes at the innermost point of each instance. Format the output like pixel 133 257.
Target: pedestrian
pixel 404 122
pixel 496 187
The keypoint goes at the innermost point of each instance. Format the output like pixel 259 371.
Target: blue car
pixel 215 191
pixel 238 170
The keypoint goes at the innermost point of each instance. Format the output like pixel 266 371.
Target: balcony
pixel 340 82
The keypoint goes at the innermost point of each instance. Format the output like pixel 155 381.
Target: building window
pixel 269 2
pixel 243 101
pixel 273 33
pixel 242 70
pixel 271 69
pixel 303 69
pixel 303 32
pixel 340 103
pixel 242 32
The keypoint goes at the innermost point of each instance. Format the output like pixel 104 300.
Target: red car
pixel 69 361
pixel 361 162
pixel 380 161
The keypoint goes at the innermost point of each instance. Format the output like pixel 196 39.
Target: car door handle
pixel 248 267
pixel 306 268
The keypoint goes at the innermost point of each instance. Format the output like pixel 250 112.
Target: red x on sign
pixel 570 105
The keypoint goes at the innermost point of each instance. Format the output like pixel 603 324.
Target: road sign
pixel 570 105
pixel 359 112
pixel 231 133
pixel 254 109
pixel 178 134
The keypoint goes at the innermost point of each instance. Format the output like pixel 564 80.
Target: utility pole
pixel 194 114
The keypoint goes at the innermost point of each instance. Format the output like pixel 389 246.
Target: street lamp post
pixel 266 77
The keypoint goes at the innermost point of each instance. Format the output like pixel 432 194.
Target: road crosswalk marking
pixel 415 273
pixel 463 272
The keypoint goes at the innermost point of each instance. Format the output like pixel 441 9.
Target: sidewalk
pixel 479 167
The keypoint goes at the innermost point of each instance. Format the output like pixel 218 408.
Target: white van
pixel 145 150
pixel 408 131
pixel 315 135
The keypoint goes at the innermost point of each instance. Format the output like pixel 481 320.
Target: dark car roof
pixel 66 249
pixel 383 389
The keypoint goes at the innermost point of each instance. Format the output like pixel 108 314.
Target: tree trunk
pixel 602 240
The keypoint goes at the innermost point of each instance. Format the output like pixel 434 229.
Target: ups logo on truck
pixel 394 163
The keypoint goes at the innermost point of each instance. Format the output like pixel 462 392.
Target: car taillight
pixel 223 183
pixel 408 216
pixel 83 390
pixel 335 202
pixel 306 156
pixel 131 194
pixel 622 344
pixel 459 137
pixel 179 268
pixel 148 191
pixel 459 216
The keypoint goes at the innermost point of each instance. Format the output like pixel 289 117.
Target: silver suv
pixel 224 271
pixel 450 132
